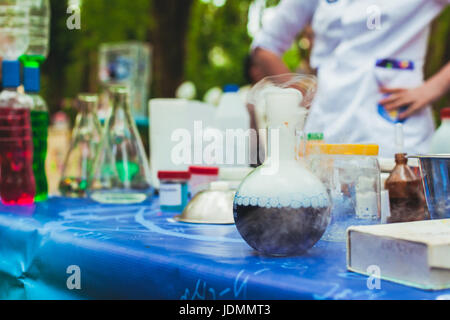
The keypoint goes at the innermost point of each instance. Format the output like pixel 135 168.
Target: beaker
pixel 121 172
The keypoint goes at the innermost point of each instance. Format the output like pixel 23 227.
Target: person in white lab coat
pixel 370 56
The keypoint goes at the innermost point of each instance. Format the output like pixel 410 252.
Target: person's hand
pixel 415 99
pixel 418 98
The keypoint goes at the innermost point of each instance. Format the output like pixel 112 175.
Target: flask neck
pixel 120 101
pixel 401 159
pixel 86 123
pixel 282 143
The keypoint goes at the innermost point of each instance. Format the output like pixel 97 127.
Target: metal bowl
pixel 435 171
pixel 211 206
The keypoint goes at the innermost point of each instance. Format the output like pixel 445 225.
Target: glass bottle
pixel 282 208
pixel 121 173
pixel 405 193
pixel 86 137
pixel 17 184
pixel 39 126
pixel 441 143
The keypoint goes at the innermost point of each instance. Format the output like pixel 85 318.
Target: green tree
pixel 204 41
pixel 439 54
pixel 218 43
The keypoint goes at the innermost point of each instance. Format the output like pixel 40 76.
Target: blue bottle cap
pixel 231 88
pixel 32 79
pixel 11 73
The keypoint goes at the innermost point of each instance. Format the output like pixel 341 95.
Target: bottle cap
pixel 11 73
pixel 346 149
pixel 207 171
pixel 315 136
pixel 231 88
pixel 32 79
pixel 445 113
pixel 174 175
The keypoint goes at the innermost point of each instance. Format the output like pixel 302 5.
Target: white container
pixel 201 177
pixel 441 139
pixel 351 172
pixel 234 176
pixel 177 124
pixel 232 114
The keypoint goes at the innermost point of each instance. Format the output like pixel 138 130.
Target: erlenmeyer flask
pixel 121 172
pixel 86 137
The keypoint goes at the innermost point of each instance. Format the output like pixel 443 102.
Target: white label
pixel 170 194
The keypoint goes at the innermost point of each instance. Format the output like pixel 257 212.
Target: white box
pixel 415 254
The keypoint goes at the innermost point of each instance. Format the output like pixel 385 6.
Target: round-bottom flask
pixel 282 208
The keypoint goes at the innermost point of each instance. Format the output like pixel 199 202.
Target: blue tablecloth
pixel 136 252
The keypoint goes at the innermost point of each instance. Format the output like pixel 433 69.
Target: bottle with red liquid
pixel 17 183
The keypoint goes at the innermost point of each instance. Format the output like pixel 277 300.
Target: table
pixel 137 252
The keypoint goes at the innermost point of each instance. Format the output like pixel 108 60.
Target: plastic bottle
pixel 39 125
pixel 39 27
pixel 17 184
pixel 440 143
pixel 39 33
pixel 232 114
pixel 59 136
pixel 14 32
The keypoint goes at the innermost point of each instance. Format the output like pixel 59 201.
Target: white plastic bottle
pixel 14 41
pixel 441 139
pixel 39 27
pixel 233 120
pixel 14 33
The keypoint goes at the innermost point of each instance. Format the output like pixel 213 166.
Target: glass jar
pixel 173 190
pixel 201 177
pixel 351 172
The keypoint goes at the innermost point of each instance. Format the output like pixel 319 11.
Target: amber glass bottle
pixel 405 193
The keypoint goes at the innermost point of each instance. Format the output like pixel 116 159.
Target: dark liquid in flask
pixel 281 231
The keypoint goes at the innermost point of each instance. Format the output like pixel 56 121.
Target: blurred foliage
pixel 439 54
pixel 216 45
pixel 72 65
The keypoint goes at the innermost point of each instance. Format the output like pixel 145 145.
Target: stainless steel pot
pixel 435 170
